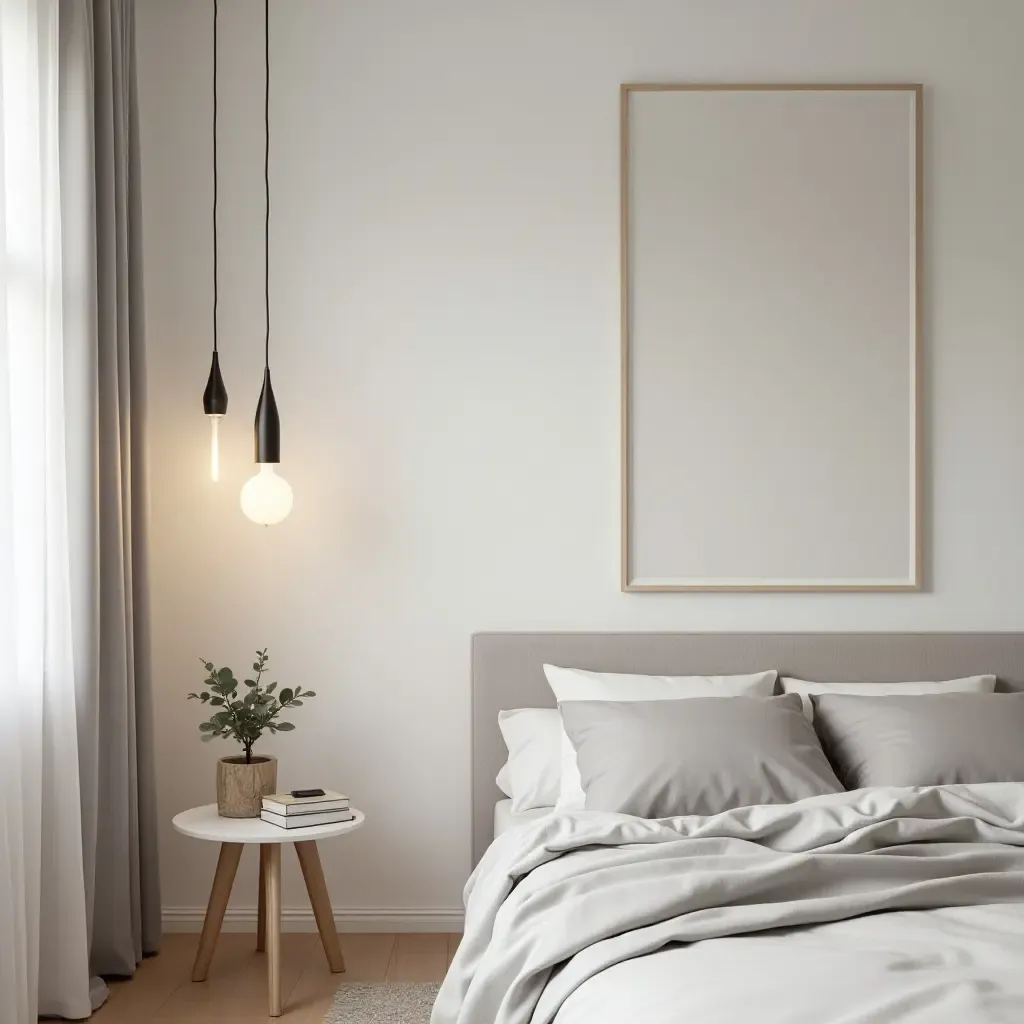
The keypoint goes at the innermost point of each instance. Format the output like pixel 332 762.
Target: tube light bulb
pixel 266 498
pixel 215 448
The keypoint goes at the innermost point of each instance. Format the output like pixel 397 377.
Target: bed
pixel 505 819
pixel 884 904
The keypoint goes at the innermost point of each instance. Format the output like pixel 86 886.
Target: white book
pixel 307 820
pixel 285 803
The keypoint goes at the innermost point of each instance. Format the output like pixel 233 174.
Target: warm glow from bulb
pixel 266 498
pixel 214 448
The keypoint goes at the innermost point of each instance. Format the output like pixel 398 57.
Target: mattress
pixel 505 819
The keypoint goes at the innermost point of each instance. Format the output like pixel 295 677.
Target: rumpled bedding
pixel 870 907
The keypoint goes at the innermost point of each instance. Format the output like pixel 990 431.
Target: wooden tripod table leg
pixel 261 901
pixel 227 865
pixel 313 873
pixel 273 915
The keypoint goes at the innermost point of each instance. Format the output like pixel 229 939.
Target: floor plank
pixel 366 959
pixel 237 985
pixel 418 966
pixel 423 942
pixel 139 998
pixel 162 991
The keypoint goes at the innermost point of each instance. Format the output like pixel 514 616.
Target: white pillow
pixel 503 781
pixel 969 684
pixel 576 684
pixel 534 767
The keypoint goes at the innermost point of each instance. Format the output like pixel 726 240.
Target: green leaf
pixel 285 726
pixel 208 665
pixel 309 693
pixel 250 682
pixel 250 698
pixel 255 666
pixel 222 717
pixel 207 736
pixel 206 726
pixel 286 695
pixel 224 674
pixel 298 690
pixel 192 696
pixel 236 704
pixel 271 687
pixel 216 700
pixel 295 704
pixel 271 727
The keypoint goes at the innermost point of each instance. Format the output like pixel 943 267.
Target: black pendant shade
pixel 267 429
pixel 215 397
pixel 266 498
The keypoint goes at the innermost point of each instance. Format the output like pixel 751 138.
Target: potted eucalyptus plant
pixel 243 780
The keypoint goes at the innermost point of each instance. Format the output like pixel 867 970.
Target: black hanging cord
pixel 215 397
pixel 216 297
pixel 266 177
pixel 267 428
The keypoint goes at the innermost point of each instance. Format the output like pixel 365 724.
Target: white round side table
pixel 232 834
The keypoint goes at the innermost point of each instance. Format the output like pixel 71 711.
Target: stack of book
pixel 289 811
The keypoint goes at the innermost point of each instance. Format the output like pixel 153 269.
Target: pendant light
pixel 267 498
pixel 215 397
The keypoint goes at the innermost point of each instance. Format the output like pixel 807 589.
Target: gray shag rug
pixel 394 1003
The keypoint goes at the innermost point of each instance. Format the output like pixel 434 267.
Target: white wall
pixel 445 354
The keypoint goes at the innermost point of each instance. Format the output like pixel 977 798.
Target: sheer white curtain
pixel 44 946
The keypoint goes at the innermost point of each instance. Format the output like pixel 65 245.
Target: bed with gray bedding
pixel 875 906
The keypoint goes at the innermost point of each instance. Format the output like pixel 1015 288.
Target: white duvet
pixel 871 907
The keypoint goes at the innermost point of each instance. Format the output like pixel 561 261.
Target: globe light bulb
pixel 215 448
pixel 266 498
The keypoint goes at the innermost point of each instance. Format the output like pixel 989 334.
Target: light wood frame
pixel 914 581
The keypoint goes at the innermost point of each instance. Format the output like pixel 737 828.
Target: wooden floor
pixel 236 990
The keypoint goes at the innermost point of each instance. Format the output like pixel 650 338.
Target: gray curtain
pixel 105 395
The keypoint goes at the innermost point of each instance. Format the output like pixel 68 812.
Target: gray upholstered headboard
pixel 507 672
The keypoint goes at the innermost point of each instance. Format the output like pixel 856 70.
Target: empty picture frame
pixel 771 308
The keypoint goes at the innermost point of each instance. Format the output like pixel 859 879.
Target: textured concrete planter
pixel 241 787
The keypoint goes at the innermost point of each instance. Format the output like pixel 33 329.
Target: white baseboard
pixel 300 919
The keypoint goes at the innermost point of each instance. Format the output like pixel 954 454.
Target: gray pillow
pixel 935 739
pixel 703 755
